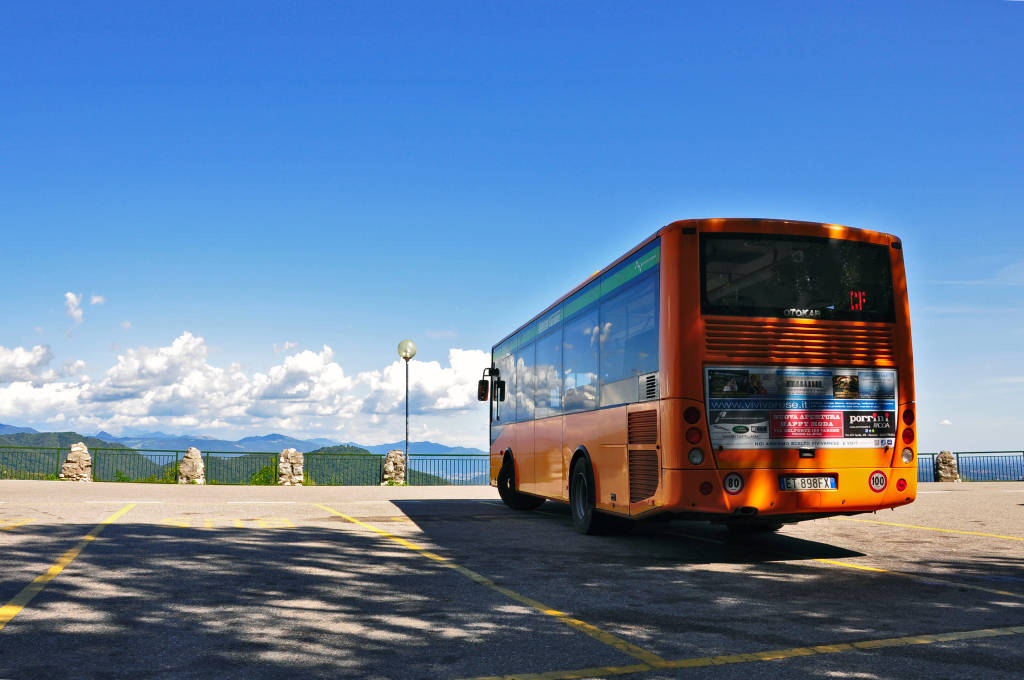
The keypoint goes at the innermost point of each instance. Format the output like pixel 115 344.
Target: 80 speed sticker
pixel 878 481
pixel 733 483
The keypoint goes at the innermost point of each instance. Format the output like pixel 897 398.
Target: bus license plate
pixel 808 483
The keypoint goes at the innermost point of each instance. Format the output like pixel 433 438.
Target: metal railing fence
pixel 925 467
pixel 448 469
pixel 977 466
pixel 160 466
pixel 30 462
pixel 342 469
pixel 225 467
pixel 130 465
pixel 228 467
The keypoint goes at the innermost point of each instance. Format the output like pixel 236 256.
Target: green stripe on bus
pixel 620 278
pixel 586 297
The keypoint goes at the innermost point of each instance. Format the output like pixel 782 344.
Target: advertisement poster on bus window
pixel 766 407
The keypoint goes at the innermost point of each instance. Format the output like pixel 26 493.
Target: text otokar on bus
pixel 747 371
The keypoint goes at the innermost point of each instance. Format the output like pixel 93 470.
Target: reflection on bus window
pixel 582 339
pixel 505 411
pixel 548 387
pixel 629 341
pixel 524 383
pixel 796 277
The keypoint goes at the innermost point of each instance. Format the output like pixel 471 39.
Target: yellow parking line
pixel 861 567
pixel 18 602
pixel 923 577
pixel 650 659
pixel 851 565
pixel 947 531
pixel 15 523
pixel 769 655
pixel 845 647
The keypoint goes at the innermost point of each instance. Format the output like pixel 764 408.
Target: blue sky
pixel 269 196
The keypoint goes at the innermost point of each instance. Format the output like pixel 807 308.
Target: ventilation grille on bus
pixel 648 387
pixel 643 475
pixel 643 427
pixel 781 339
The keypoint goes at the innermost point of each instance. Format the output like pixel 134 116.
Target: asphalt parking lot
pixel 152 581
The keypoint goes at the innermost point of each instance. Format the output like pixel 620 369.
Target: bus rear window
pixel 795 277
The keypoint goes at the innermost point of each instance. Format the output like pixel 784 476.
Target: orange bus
pixel 747 371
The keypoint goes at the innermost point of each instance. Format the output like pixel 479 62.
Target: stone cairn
pixel 289 468
pixel 78 466
pixel 945 468
pixel 394 468
pixel 191 470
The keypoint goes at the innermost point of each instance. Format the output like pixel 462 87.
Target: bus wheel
pixel 507 489
pixel 585 518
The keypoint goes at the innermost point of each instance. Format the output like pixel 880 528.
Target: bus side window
pixel 548 389
pixel 581 343
pixel 524 383
pixel 505 399
pixel 629 341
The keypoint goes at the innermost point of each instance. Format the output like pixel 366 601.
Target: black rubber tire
pixel 507 489
pixel 586 518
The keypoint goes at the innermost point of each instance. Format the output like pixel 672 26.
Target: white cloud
pixel 287 346
pixel 126 325
pixel 72 304
pixel 27 365
pixel 431 387
pixel 945 421
pixel 97 299
pixel 73 367
pixel 308 393
pixel 23 401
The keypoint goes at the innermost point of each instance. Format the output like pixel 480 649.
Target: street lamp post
pixel 407 350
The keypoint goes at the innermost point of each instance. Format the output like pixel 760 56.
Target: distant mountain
pixel 277 442
pixel 345 449
pixel 11 429
pixel 61 440
pixel 180 442
pixel 422 448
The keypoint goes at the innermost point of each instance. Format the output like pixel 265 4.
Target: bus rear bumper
pixel 758 492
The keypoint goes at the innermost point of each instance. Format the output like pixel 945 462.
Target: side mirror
pixel 499 389
pixel 482 389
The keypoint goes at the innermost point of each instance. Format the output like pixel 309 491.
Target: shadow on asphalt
pixel 331 599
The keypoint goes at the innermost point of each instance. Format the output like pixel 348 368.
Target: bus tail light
pixel 693 435
pixel 696 456
pixel 908 436
pixel 908 417
pixel 691 415
pixel 901 485
pixel 706 488
pixel 908 455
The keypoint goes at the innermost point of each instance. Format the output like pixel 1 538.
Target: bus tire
pixel 585 516
pixel 507 489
